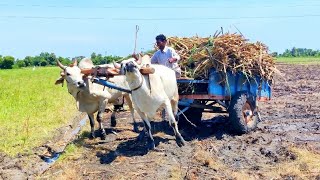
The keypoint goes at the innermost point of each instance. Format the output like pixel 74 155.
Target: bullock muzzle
pixel 81 84
pixel 130 67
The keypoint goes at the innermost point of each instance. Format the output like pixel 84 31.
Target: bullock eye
pixel 68 74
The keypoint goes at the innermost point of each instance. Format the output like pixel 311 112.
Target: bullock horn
pixel 74 63
pixel 60 65
pixel 116 65
pixel 139 61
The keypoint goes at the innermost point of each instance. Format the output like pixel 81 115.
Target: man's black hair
pixel 161 37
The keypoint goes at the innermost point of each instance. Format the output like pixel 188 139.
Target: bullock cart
pixel 232 93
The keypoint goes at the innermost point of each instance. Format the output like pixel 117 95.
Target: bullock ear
pixel 116 65
pixel 59 81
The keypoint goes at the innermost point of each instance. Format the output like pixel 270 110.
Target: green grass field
pixel 299 60
pixel 32 107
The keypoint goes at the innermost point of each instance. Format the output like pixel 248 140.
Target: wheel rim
pixel 247 113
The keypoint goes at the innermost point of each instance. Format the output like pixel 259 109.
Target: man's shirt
pixel 161 57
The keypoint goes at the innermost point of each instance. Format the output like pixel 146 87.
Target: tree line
pixel 49 59
pixel 299 52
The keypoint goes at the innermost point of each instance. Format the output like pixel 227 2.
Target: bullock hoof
pixel 135 128
pixel 180 141
pixel 141 136
pixel 92 136
pixel 113 121
pixel 103 135
pixel 151 145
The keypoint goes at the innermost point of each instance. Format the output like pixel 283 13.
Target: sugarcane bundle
pixel 226 52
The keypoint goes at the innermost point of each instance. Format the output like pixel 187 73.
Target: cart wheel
pixel 242 113
pixel 194 115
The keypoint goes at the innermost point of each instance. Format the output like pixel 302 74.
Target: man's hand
pixel 172 60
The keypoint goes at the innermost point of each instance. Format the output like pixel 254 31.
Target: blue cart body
pixel 219 88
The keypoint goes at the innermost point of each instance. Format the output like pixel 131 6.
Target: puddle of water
pixel 55 156
pixel 52 159
pixel 83 122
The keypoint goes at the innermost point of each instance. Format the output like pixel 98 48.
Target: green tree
pixel 98 59
pixel 294 52
pixel 1 59
pixel 79 58
pixel 274 54
pixel 93 56
pixel 20 63
pixel 7 62
pixel 65 61
pixel 52 59
pixel 286 53
pixel 36 61
pixel 28 60
pixel 43 62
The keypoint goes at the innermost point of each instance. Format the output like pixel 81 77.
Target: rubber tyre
pixel 242 113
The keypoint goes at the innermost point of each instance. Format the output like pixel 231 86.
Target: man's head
pixel 161 41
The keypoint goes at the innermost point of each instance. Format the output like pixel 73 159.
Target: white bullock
pixel 150 92
pixel 91 97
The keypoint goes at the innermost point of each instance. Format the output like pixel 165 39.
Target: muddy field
pixel 286 144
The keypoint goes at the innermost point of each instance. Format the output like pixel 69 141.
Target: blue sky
pixel 71 28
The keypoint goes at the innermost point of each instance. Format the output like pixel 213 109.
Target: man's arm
pixel 175 56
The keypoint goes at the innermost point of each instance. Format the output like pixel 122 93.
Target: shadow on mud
pixel 216 127
pixel 129 148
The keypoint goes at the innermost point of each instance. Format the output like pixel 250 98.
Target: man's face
pixel 161 44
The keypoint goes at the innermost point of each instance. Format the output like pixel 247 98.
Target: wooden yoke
pixel 110 72
pixel 101 71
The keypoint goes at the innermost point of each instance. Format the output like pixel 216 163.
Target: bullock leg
pixel 163 114
pixel 129 102
pixel 113 118
pixel 173 123
pixel 91 118
pixel 102 106
pixel 147 126
pixel 174 105
pixel 144 131
pixel 101 128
